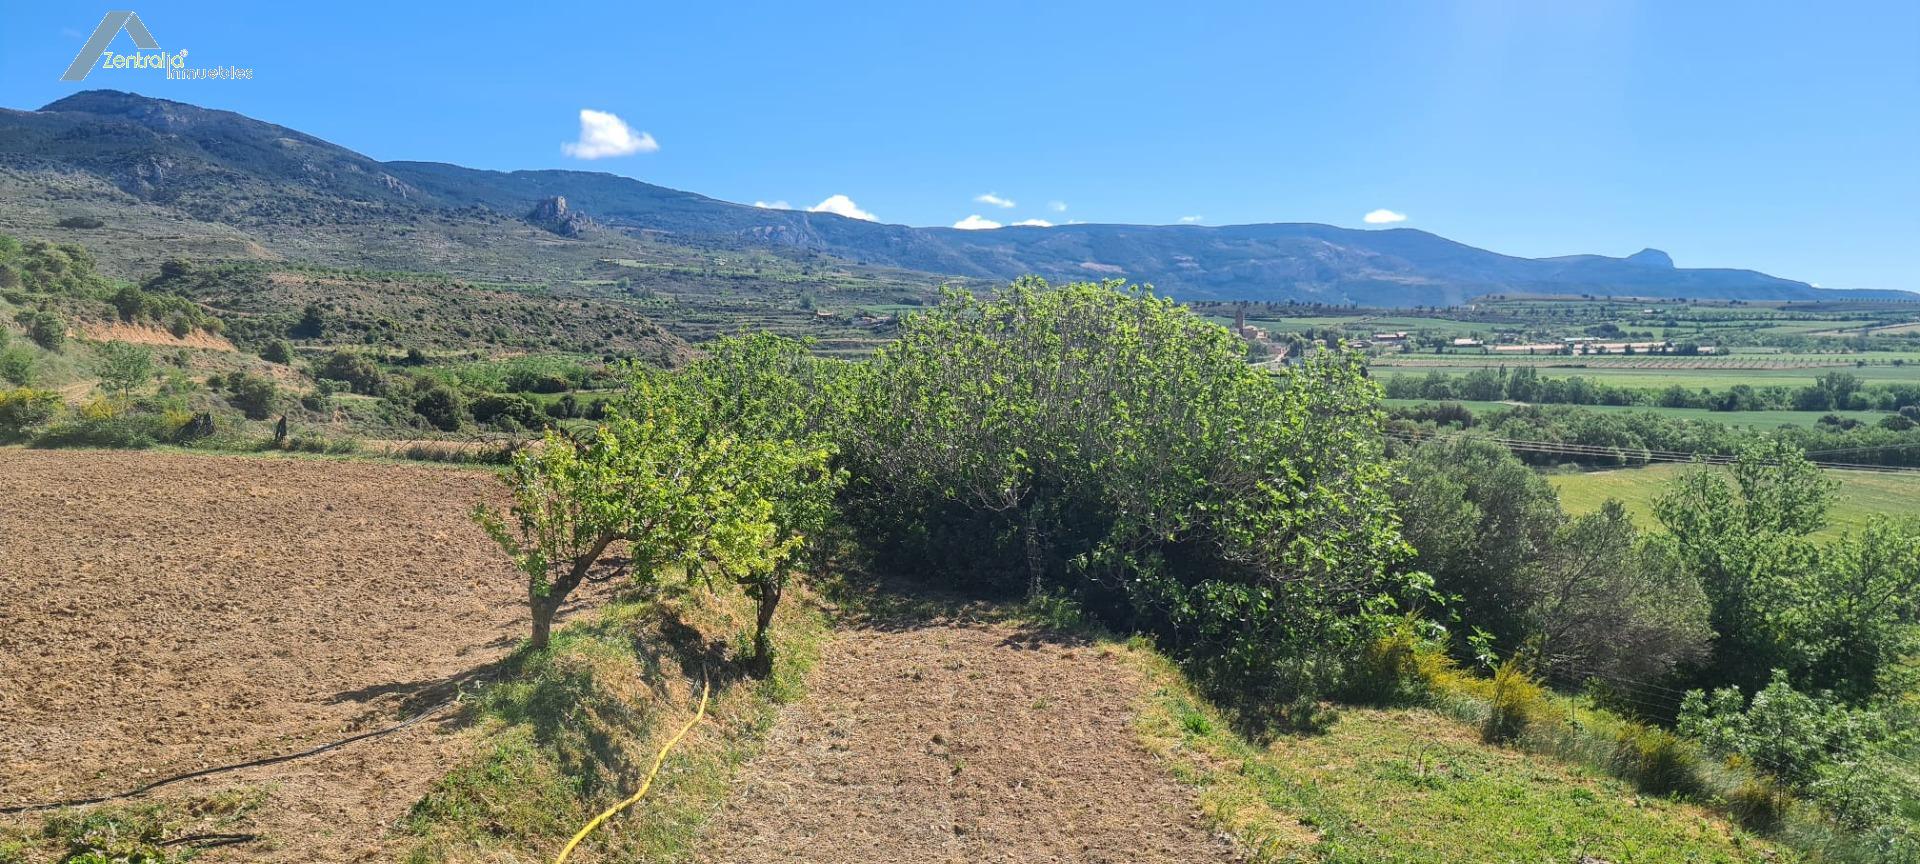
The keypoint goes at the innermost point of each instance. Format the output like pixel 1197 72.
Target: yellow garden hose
pixel 705 689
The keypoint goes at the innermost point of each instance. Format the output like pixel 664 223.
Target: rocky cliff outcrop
pixel 553 215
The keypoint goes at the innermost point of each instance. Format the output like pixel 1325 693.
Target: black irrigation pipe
pixel 204 772
pixel 211 841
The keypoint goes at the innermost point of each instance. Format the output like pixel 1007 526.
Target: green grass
pixel 169 832
pixel 570 730
pixel 1863 494
pixel 1411 785
pixel 1757 419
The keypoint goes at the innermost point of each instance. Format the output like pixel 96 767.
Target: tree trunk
pixel 1036 560
pixel 762 631
pixel 546 606
pixel 543 611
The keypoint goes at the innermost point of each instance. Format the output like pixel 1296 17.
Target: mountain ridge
pixel 298 195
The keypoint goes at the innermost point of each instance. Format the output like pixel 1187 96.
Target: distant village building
pixel 1396 336
pixel 1536 348
pixel 1626 347
pixel 1466 342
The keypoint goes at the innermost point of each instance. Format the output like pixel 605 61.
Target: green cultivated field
pixel 1862 493
pixel 1758 419
pixel 1653 377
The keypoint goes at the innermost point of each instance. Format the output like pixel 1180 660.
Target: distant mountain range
pixel 190 181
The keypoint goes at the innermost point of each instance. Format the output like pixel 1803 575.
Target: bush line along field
pixel 1753 419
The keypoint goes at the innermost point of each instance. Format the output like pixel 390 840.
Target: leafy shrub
pixel 46 329
pixel 312 323
pixel 1399 666
pixel 507 410
pixel 1759 803
pixel 22 409
pixel 190 426
pixel 255 395
pixel 1866 792
pixel 84 222
pixel 1656 761
pixel 17 365
pixel 101 424
pixel 1052 437
pixel 360 374
pixel 441 406
pixel 309 441
pixel 1788 734
pixel 1599 608
pixel 63 269
pixel 453 452
pixel 278 351
pixel 1778 598
pixel 1516 699
pixel 566 407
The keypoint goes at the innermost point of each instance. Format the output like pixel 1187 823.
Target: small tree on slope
pixel 682 473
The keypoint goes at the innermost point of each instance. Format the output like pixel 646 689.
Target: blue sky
pixel 1783 137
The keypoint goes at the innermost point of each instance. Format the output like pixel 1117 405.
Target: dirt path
pixel 961 743
pixel 164 612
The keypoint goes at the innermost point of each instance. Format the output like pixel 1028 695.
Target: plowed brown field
pixel 162 613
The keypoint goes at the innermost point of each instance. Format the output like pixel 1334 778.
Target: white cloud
pixel 1035 223
pixel 993 199
pixel 975 223
pixel 773 205
pixel 1383 216
pixel 1189 220
pixel 841 205
pixel 603 134
pixel 1057 206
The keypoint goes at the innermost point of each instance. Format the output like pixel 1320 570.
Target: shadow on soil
pixel 899 604
pixel 412 697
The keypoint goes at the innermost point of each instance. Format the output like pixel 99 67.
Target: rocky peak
pixel 1651 258
pixel 551 210
pixel 553 215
